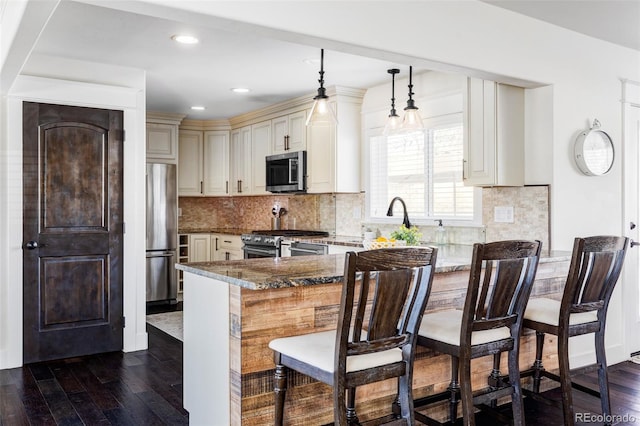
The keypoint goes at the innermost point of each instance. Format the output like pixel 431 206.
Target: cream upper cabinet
pixel 216 163
pixel 241 161
pixel 203 166
pixel 162 137
pixel 289 133
pixel 333 152
pixel 494 134
pixel 190 163
pixel 260 148
pixel 162 142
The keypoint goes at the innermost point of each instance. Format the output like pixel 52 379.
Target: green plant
pixel 410 235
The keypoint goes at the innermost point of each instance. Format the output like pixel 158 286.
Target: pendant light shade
pixel 412 121
pixel 393 122
pixel 322 113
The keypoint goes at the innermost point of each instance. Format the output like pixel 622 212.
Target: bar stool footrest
pixel 486 396
pixel 389 420
pixel 433 422
pixel 432 399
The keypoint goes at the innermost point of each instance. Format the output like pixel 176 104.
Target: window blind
pixel 425 169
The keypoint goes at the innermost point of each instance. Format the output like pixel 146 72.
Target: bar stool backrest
pixel 595 267
pixel 384 295
pixel 500 281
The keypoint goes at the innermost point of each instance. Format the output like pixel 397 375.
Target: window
pixel 425 169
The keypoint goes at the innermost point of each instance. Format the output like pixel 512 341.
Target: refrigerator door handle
pixel 163 254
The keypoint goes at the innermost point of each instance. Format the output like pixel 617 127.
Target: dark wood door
pixel 72 232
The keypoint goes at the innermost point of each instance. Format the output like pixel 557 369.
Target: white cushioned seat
pixel 318 349
pixel 445 326
pixel 547 311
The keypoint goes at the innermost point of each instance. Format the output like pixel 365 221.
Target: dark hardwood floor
pixel 145 388
pixel 136 388
pixel 624 389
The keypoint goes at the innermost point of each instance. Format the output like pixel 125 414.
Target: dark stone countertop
pixel 273 273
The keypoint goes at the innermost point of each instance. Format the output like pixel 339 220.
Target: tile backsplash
pixel 255 212
pixel 344 215
pixel 530 206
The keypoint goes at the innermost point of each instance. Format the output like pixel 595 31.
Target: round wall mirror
pixel 593 151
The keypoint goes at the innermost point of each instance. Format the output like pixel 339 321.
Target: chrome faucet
pixel 405 221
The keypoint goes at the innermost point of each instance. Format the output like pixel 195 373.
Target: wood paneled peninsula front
pixel 232 309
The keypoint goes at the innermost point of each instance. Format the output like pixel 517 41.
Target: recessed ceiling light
pixel 240 90
pixel 198 108
pixel 184 39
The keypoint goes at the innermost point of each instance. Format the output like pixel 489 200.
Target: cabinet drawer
pixel 229 242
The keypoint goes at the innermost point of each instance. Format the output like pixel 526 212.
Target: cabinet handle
pixel 226 187
pixel 239 186
pixel 286 143
pixel 463 173
pixel 216 243
pixel 201 187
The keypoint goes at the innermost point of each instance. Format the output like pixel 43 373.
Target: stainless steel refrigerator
pixel 162 232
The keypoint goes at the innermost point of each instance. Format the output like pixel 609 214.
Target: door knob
pixel 32 245
pixel 634 243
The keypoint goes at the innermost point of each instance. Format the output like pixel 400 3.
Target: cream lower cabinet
pixel 494 134
pixel 203 163
pixel 226 247
pixel 333 152
pixel 211 247
pixel 200 248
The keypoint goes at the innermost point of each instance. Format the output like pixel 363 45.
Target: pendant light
pixel 412 121
pixel 321 112
pixel 393 122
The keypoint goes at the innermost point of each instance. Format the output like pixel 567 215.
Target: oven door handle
pixel 309 251
pixel 259 251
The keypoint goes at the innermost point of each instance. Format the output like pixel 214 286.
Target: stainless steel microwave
pixel 287 172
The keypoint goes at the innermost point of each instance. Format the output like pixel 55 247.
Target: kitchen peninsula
pixel 233 309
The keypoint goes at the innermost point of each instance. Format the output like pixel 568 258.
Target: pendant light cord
pixel 321 90
pixel 321 81
pixel 410 102
pixel 393 73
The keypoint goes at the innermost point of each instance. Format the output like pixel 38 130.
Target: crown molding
pixel 205 125
pixel 165 117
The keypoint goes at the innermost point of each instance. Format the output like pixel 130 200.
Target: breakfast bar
pixel 232 309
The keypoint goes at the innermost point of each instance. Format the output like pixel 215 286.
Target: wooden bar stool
pixel 500 281
pixel 596 263
pixel 383 298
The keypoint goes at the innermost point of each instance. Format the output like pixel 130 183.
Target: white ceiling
pixel 179 76
pixel 616 21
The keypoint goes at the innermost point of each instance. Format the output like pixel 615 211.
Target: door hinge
pixel 120 135
pixel 124 228
pixel 124 322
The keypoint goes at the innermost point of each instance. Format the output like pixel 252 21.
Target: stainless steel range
pixel 268 243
